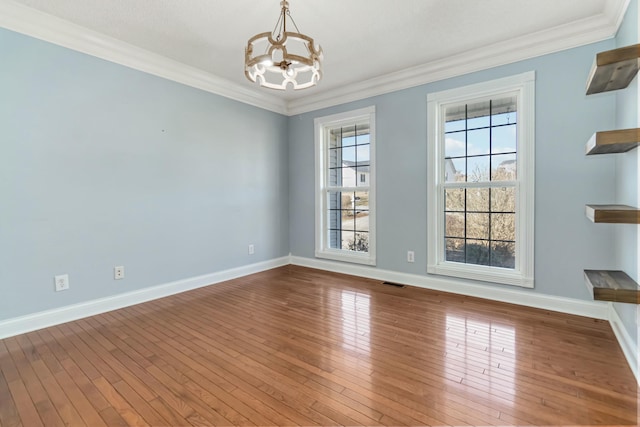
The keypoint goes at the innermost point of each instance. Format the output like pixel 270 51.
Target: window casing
pixel 481 181
pixel 345 191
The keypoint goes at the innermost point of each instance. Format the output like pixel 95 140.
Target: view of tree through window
pixel 479 182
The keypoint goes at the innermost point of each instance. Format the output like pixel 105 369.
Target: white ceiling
pixel 367 43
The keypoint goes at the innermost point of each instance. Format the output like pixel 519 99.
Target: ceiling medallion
pixel 286 58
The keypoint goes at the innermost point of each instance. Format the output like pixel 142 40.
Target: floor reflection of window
pixel 356 330
pixel 483 353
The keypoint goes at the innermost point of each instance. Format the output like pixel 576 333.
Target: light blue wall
pixel 101 165
pixel 566 241
pixel 627 172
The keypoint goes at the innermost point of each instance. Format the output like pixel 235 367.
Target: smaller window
pixel 345 195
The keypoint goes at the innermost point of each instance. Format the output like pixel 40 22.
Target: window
pixel 481 181
pixel 345 195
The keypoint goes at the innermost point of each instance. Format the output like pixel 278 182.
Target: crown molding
pixel 575 34
pixel 31 22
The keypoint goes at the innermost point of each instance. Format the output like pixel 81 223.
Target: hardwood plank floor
pixel 296 346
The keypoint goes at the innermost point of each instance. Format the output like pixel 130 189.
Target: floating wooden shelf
pixel 614 69
pixel 613 214
pixel 616 286
pixel 613 141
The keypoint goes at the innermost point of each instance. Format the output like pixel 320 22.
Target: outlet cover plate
pixel 61 282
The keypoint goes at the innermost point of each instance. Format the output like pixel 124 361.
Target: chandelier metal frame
pixel 288 58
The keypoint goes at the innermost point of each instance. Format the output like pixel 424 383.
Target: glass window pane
pixel 349 154
pixel 335 157
pixel 478 115
pixel 360 242
pixel 348 220
pixel 454 144
pixel 503 199
pixel 454 250
pixel 362 154
pixel 503 254
pixel 478 199
pixel 503 227
pixel 478 142
pixel 478 169
pixel 363 138
pixel 454 199
pixel 347 176
pixel 334 200
pixel 361 200
pixel 503 139
pixel 503 167
pixel 335 241
pixel 334 139
pixel 362 176
pixel 334 219
pixel 347 239
pixel 348 141
pixel 455 170
pixel 477 252
pixel 355 241
pixel 454 224
pixel 454 125
pixel 335 177
pixel 478 225
pixel 504 118
pixel 481 146
pixel 478 122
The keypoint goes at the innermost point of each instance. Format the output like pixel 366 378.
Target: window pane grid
pixel 349 157
pixel 348 220
pixel 492 126
pixel 480 219
pixel 479 153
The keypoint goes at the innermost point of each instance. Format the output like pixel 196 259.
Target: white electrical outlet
pixel 118 272
pixel 251 250
pixel 411 257
pixel 61 282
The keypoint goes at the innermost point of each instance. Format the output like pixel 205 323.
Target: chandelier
pixel 281 58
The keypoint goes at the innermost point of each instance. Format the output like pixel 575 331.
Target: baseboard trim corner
pixel 625 341
pixel 44 319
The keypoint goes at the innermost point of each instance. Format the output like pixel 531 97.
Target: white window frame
pixel 322 126
pixel 523 274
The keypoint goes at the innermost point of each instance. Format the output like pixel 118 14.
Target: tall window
pixel 481 158
pixel 345 196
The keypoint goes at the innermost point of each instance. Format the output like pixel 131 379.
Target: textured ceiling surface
pixel 362 39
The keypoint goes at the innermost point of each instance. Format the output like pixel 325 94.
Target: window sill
pixel 352 257
pixel 481 273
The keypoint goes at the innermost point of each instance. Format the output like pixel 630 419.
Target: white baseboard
pixel 44 319
pixel 593 309
pixel 627 344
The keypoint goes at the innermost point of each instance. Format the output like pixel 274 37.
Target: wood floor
pixel 296 346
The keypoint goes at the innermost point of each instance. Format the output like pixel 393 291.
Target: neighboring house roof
pixel 449 163
pixel 352 165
